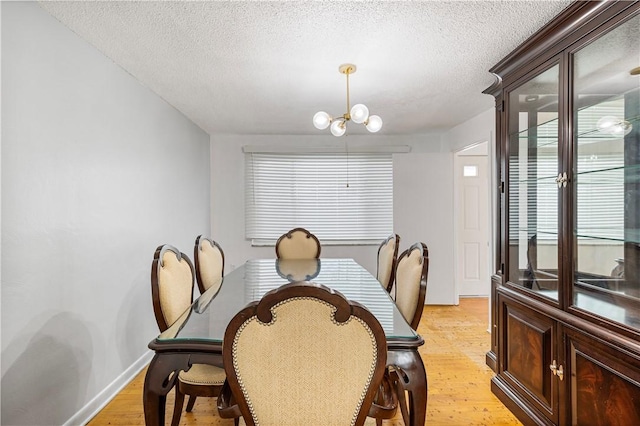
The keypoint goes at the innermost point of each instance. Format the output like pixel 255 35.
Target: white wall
pixel 97 171
pixel 475 130
pixel 227 173
pixel 423 198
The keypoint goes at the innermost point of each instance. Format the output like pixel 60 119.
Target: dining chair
pixel 298 244
pixel 303 355
pixel 209 259
pixel 410 286
pixel 387 258
pixel 411 282
pixel 172 294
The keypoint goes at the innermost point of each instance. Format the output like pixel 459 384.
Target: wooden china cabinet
pixel 566 292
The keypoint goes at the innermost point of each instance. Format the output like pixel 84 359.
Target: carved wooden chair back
pixel 411 282
pixel 387 258
pixel 298 244
pixel 171 285
pixel 304 354
pixel 209 259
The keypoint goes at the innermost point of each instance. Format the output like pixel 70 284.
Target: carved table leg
pixel 158 382
pixel 414 379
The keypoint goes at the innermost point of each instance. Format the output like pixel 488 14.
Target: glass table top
pixel 209 315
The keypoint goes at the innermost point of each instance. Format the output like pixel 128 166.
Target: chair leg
pixel 177 408
pixel 402 402
pixel 192 400
pixel 379 399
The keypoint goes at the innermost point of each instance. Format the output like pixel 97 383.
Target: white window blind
pixel 341 198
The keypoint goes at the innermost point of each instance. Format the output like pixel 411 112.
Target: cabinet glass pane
pixel 533 191
pixel 606 175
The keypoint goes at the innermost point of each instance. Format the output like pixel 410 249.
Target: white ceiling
pixel 267 67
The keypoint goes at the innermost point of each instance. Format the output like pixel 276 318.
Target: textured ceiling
pixel 267 67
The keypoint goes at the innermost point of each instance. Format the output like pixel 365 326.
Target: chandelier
pixel 358 114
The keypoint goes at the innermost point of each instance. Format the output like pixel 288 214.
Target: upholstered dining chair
pixel 410 288
pixel 411 282
pixel 302 355
pixel 172 293
pixel 298 244
pixel 387 258
pixel 209 259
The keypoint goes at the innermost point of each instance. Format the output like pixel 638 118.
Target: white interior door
pixel 472 222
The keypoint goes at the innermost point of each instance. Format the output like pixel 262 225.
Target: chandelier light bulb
pixel 359 113
pixel 374 123
pixel 621 128
pixel 614 126
pixel 321 120
pixel 606 123
pixel 338 128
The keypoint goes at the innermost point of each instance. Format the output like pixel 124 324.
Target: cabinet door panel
pixel 533 153
pixel 528 347
pixel 606 176
pixel 605 384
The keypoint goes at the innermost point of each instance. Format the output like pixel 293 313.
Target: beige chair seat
pixel 203 374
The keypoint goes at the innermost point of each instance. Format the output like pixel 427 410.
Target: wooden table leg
pixel 411 370
pixel 158 382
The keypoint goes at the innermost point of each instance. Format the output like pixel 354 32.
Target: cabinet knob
pixel 560 373
pixel 562 180
pixel 556 370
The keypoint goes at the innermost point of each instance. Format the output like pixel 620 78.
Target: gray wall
pixel 97 171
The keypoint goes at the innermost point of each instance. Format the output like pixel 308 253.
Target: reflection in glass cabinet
pixel 606 175
pixel 533 190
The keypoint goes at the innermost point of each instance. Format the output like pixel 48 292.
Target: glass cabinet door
pixel 606 175
pixel 532 183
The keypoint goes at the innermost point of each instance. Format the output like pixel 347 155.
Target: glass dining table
pixel 196 337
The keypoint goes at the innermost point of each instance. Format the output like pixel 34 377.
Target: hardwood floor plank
pixel 456 341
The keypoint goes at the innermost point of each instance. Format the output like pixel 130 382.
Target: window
pixel 470 171
pixel 341 198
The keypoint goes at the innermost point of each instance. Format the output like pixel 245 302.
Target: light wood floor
pixel 456 341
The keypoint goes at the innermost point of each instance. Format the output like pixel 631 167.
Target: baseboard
pixel 94 406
